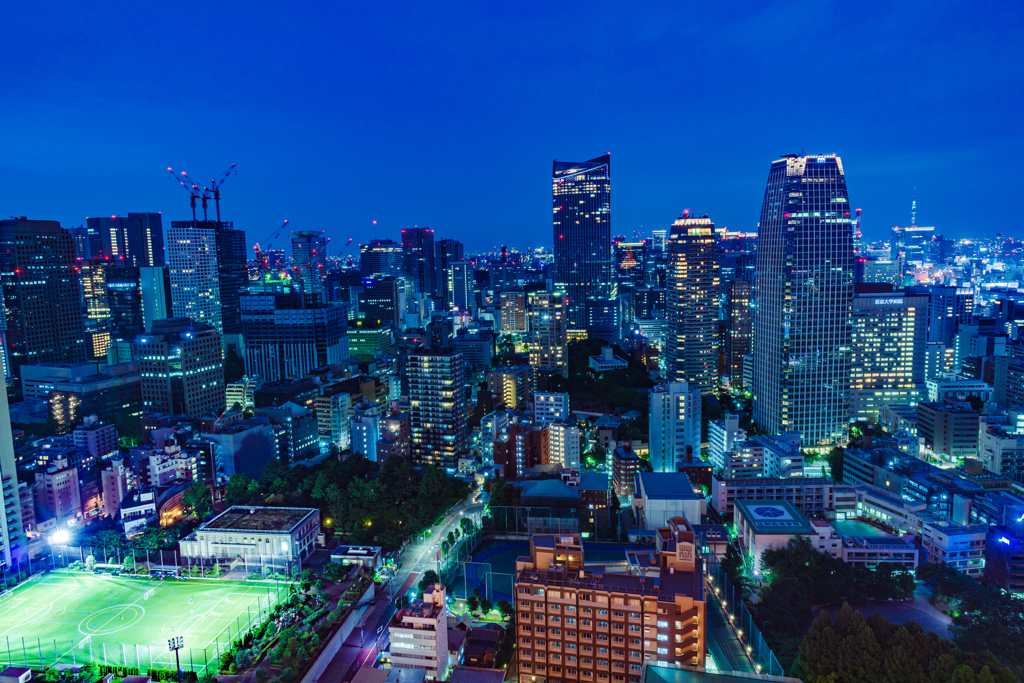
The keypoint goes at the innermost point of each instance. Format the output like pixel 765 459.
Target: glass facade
pixel 691 303
pixel 418 258
pixel 804 293
pixel 581 203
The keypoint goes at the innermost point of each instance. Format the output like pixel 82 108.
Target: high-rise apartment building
pixel 549 345
pixel 804 294
pixel 740 331
pixel 510 386
pixel 675 415
pixel 418 259
pixel 691 303
pixel 449 252
pixel 380 258
pixel 182 368
pixel 889 330
pixel 949 307
pixel 309 260
pixel 437 407
pixel 564 444
pixel 41 294
pixel 13 544
pixel 578 625
pixel 97 309
pixel 195 286
pixel 287 335
pixel 462 284
pixel 133 240
pixel 513 312
pixel 581 201
pixel 549 406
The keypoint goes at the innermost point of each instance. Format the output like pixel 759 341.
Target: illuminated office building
pixel 804 293
pixel 691 303
pixel 437 407
pixel 449 252
pixel 182 369
pixel 888 336
pixel 381 300
pixel 910 245
pixel 462 287
pixel 581 200
pixel 740 331
pixel 195 287
pixel 41 294
pixel 97 309
pixel 949 307
pixel 133 240
pixel 309 260
pixel 380 258
pixel 630 262
pixel 418 259
pixel 513 312
pixel 549 344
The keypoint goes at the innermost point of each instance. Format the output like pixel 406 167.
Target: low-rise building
pixel 958 545
pixel 254 532
pixel 765 524
pixel 949 430
pixel 812 496
pixel 625 466
pixel 419 635
pixel 607 362
pixel 100 440
pixel 660 496
pixel 365 556
pixel 864 550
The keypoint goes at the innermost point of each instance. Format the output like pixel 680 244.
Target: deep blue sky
pixel 449 115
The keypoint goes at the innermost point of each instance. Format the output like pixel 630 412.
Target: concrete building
pixel 953 387
pixel 549 343
pixel 869 551
pixel 254 532
pixel 246 446
pixel 100 440
pixel 549 407
pixel 607 362
pixel 675 419
pixel 761 525
pixel 1001 451
pixel 564 444
pixel 510 386
pixel 958 545
pixel 513 313
pixel 660 496
pixel 948 430
pixel 722 438
pixel 437 407
pixel 58 493
pixel 419 639
pixel 365 430
pixel 367 557
pixel 182 368
pixel 765 456
pixel 812 496
pixel 13 543
pixel 625 466
pixel 332 418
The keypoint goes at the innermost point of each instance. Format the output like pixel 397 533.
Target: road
pixel 369 638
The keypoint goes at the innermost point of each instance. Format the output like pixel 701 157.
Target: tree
pixel 241 490
pixel 835 463
pixel 473 603
pixel 486 606
pixel 129 428
pixel 90 563
pixel 197 500
pixel 428 578
pixel 506 608
pixel 128 563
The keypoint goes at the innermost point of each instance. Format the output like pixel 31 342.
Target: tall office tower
pixel 124 297
pixel 549 343
pixel 889 334
pixel 182 368
pixel 309 260
pixel 463 287
pixel 658 239
pixel 87 242
pixel 437 407
pixel 380 258
pixel 232 275
pixel 195 285
pixel 564 444
pixel 581 201
pixel 157 302
pixel 804 293
pixel 910 245
pixel 381 300
pixel 133 240
pixel 675 416
pixel 287 335
pixel 13 545
pixel 630 262
pixel 550 406
pixel 97 308
pixel 604 320
pixel 41 294
pixel 448 252
pixel 740 331
pixel 513 312
pixel 949 307
pixel 418 259
pixel 691 303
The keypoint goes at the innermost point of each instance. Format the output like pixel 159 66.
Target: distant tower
pixel 309 256
pixel 804 295
pixel 418 258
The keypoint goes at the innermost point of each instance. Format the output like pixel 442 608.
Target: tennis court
pixel 77 617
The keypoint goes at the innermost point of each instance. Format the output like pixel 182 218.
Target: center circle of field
pixel 111 619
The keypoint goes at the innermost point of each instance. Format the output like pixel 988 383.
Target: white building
pixel 549 406
pixel 365 431
pixel 254 532
pixel 607 362
pixel 564 444
pixel 1000 450
pixel 332 419
pixel 492 426
pixel 101 440
pixel 953 387
pixel 722 437
pixel 961 546
pixel 761 525
pixel 864 550
pixel 420 639
pixel 242 392
pixel 674 425
pixel 660 496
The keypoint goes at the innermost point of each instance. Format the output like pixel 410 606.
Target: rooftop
pixel 245 518
pixel 472 674
pixel 666 486
pixel 773 517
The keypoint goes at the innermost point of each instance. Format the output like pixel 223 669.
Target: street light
pixel 173 645
pixel 59 538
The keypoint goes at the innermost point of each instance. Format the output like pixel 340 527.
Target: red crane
pixel 193 189
pixel 215 187
pixel 261 254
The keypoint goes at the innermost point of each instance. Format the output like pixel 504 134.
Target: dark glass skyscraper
pixel 804 298
pixel 581 201
pixel 418 258
pixel 448 252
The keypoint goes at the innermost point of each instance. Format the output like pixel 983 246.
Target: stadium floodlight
pixel 60 537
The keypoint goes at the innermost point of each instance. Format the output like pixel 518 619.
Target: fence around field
pixel 39 653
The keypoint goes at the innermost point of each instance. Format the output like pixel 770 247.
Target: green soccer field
pixel 79 617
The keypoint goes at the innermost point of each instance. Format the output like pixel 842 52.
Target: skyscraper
pixel 630 262
pixel 548 336
pixel 949 307
pixel 462 287
pixel 804 294
pixel 133 240
pixel 691 301
pixel 889 332
pixel 910 245
pixel 740 332
pixel 309 258
pixel 675 418
pixel 448 252
pixel 418 258
pixel 581 202
pixel 381 300
pixel 97 308
pixel 437 407
pixel 380 258
pixel 41 294
pixel 182 368
pixel 195 286
pixel 13 546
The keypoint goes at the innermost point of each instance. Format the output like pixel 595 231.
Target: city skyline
pixel 910 118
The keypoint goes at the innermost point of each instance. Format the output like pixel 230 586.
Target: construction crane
pixel 261 254
pixel 193 191
pixel 215 187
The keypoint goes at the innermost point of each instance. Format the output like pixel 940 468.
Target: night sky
pixel 448 116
